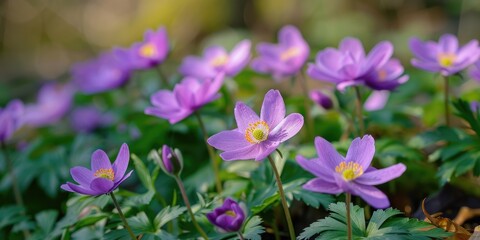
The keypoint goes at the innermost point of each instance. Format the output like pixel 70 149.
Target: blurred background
pixel 41 39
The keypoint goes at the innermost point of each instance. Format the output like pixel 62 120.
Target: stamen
pixel 219 60
pixel 446 59
pixel 382 75
pixel 257 132
pixel 148 50
pixel 290 53
pixel 230 213
pixel 350 170
pixel 105 173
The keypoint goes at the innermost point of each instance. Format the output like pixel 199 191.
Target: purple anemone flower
pixel 152 51
pixel 348 65
pixel 352 174
pixel 475 71
pixel 445 56
pixel 53 102
pixel 229 217
pixel 475 106
pixel 109 71
pixel 187 96
pixel 321 99
pixel 172 162
pixel 285 58
pixel 216 60
pixel 386 77
pixel 10 119
pixel 256 137
pixel 104 177
pixel 95 119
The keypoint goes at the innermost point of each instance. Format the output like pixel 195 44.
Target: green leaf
pixel 168 214
pixel 312 198
pixel 90 220
pixel 10 215
pixel 46 220
pixel 143 173
pixel 378 218
pixel 253 228
pixel 141 224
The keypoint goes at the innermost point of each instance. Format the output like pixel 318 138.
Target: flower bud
pixel 229 217
pixel 171 162
pixel 321 99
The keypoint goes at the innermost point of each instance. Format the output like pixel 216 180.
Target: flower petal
pixel 196 67
pixel 121 162
pixel 361 151
pixel 246 153
pixel 322 185
pixel 116 184
pixel 100 160
pixel 101 186
pixel 423 51
pixel 313 166
pixel 244 115
pixel 239 57
pixel 379 55
pixel 228 140
pixel 371 195
pixel 267 147
pixel 82 175
pixel 273 108
pixel 287 128
pixel 448 43
pixel 79 189
pixel 381 176
pixel 327 154
pixel 354 47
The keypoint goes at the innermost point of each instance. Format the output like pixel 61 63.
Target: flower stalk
pixel 291 230
pixel 124 220
pixel 189 208
pixel 348 200
pixel 240 236
pixel 213 159
pixel 447 101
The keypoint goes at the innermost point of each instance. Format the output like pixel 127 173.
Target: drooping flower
pixel 352 174
pixel 475 71
pixel 229 217
pixel 10 119
pixel 377 100
pixel 285 58
pixel 445 57
pixel 386 77
pixel 104 177
pixel 256 137
pixel 152 51
pixel 348 65
pixel 53 102
pixel 321 99
pixel 187 96
pixel 216 60
pixel 109 71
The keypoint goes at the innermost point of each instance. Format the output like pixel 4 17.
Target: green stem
pixel 358 103
pixel 306 102
pixel 240 236
pixel 189 208
pixel 213 159
pixel 348 199
pixel 16 189
pixel 124 220
pixel 447 103
pixel 291 230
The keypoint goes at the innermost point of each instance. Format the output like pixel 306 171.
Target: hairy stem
pixel 124 220
pixel 348 199
pixel 189 208
pixel 291 230
pixel 358 103
pixel 213 159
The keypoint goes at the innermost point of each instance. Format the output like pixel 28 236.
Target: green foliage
pixel 384 224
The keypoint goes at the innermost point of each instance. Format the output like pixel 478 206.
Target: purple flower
pixel 172 162
pixel 285 58
pixel 151 52
pixel 475 71
pixel 445 56
pixel 386 77
pixel 377 100
pixel 104 177
pixel 229 217
pixel 321 99
pixel 10 119
pixel 53 102
pixel 475 106
pixel 187 96
pixel 352 174
pixel 109 71
pixel 87 119
pixel 256 137
pixel 348 65
pixel 216 60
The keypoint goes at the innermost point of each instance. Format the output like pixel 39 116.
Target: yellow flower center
pixel 290 53
pixel 105 173
pixel 257 132
pixel 446 59
pixel 219 60
pixel 350 170
pixel 230 213
pixel 382 74
pixel 148 50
